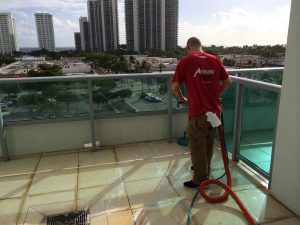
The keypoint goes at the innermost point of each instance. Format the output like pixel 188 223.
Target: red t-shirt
pixel 201 73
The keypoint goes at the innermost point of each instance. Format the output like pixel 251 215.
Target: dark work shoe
pixel 190 184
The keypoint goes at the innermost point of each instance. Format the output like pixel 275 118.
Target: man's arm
pixel 177 92
pixel 225 84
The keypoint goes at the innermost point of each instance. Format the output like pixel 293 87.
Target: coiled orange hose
pixel 226 187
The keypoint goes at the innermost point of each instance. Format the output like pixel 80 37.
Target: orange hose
pixel 226 187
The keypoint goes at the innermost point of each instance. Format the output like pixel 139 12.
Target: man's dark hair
pixel 194 42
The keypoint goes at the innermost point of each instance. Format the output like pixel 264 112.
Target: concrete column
pixel 285 183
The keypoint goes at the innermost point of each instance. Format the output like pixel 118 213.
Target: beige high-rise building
pixel 45 31
pixel 8 34
pixel 103 20
pixel 151 25
pixel 85 34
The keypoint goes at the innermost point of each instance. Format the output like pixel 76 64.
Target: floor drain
pixel 72 218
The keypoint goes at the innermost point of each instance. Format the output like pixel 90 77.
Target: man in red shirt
pixel 205 79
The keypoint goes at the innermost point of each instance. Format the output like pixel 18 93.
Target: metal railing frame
pixel 235 76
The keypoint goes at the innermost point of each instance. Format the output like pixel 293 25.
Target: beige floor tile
pixel 120 218
pixel 99 220
pixel 261 206
pixel 94 158
pixel 217 160
pixel 99 175
pixel 134 151
pixel 166 213
pixel 46 204
pixel 163 148
pixel 55 162
pixel 8 211
pixel 18 166
pixel 240 179
pixel 149 192
pixel 290 221
pixel 15 186
pixel 59 180
pixel 208 214
pixel 103 199
pixel 178 166
pixel 138 170
pixel 33 217
pixel 177 183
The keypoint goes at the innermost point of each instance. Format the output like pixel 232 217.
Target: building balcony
pixel 52 164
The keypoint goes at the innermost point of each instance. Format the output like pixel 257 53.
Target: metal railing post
pixel 274 140
pixel 92 117
pixel 170 109
pixel 3 138
pixel 238 114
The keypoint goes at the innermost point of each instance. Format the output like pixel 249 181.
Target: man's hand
pixel 178 94
pixel 225 85
pixel 182 100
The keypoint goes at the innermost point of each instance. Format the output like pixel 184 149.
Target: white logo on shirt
pixel 204 72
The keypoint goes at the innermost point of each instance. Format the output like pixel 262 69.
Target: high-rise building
pixel 77 39
pixel 85 34
pixel 45 31
pixel 103 19
pixel 151 25
pixel 8 34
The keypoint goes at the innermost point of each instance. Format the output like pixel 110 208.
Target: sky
pixel 215 22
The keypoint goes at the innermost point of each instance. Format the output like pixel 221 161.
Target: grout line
pixel 130 207
pixel 24 197
pixel 77 185
pixel 117 160
pixel 168 178
pixel 277 220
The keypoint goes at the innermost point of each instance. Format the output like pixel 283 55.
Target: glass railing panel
pixel 43 101
pixel 128 95
pixel 273 77
pixel 228 104
pixel 259 116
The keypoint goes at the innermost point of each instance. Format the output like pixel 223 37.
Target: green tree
pixel 161 66
pixel 67 97
pixel 163 89
pixel 100 98
pixel 46 70
pixel 146 66
pixel 6 59
pixel 33 100
pixel 125 93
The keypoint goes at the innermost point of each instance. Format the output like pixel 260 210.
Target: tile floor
pixel 135 184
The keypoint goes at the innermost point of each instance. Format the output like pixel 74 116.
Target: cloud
pixel 236 26
pixel 64 31
pixel 61 4
pixel 239 27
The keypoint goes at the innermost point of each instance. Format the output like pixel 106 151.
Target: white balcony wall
pixel 285 179
pixel 36 138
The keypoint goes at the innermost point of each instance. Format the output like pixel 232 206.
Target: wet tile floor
pixel 135 184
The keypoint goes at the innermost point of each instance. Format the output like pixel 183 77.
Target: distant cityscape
pixel 151 43
pixel 150 26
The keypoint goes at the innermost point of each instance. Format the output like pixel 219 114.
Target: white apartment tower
pixel 103 20
pixel 8 34
pixel 45 31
